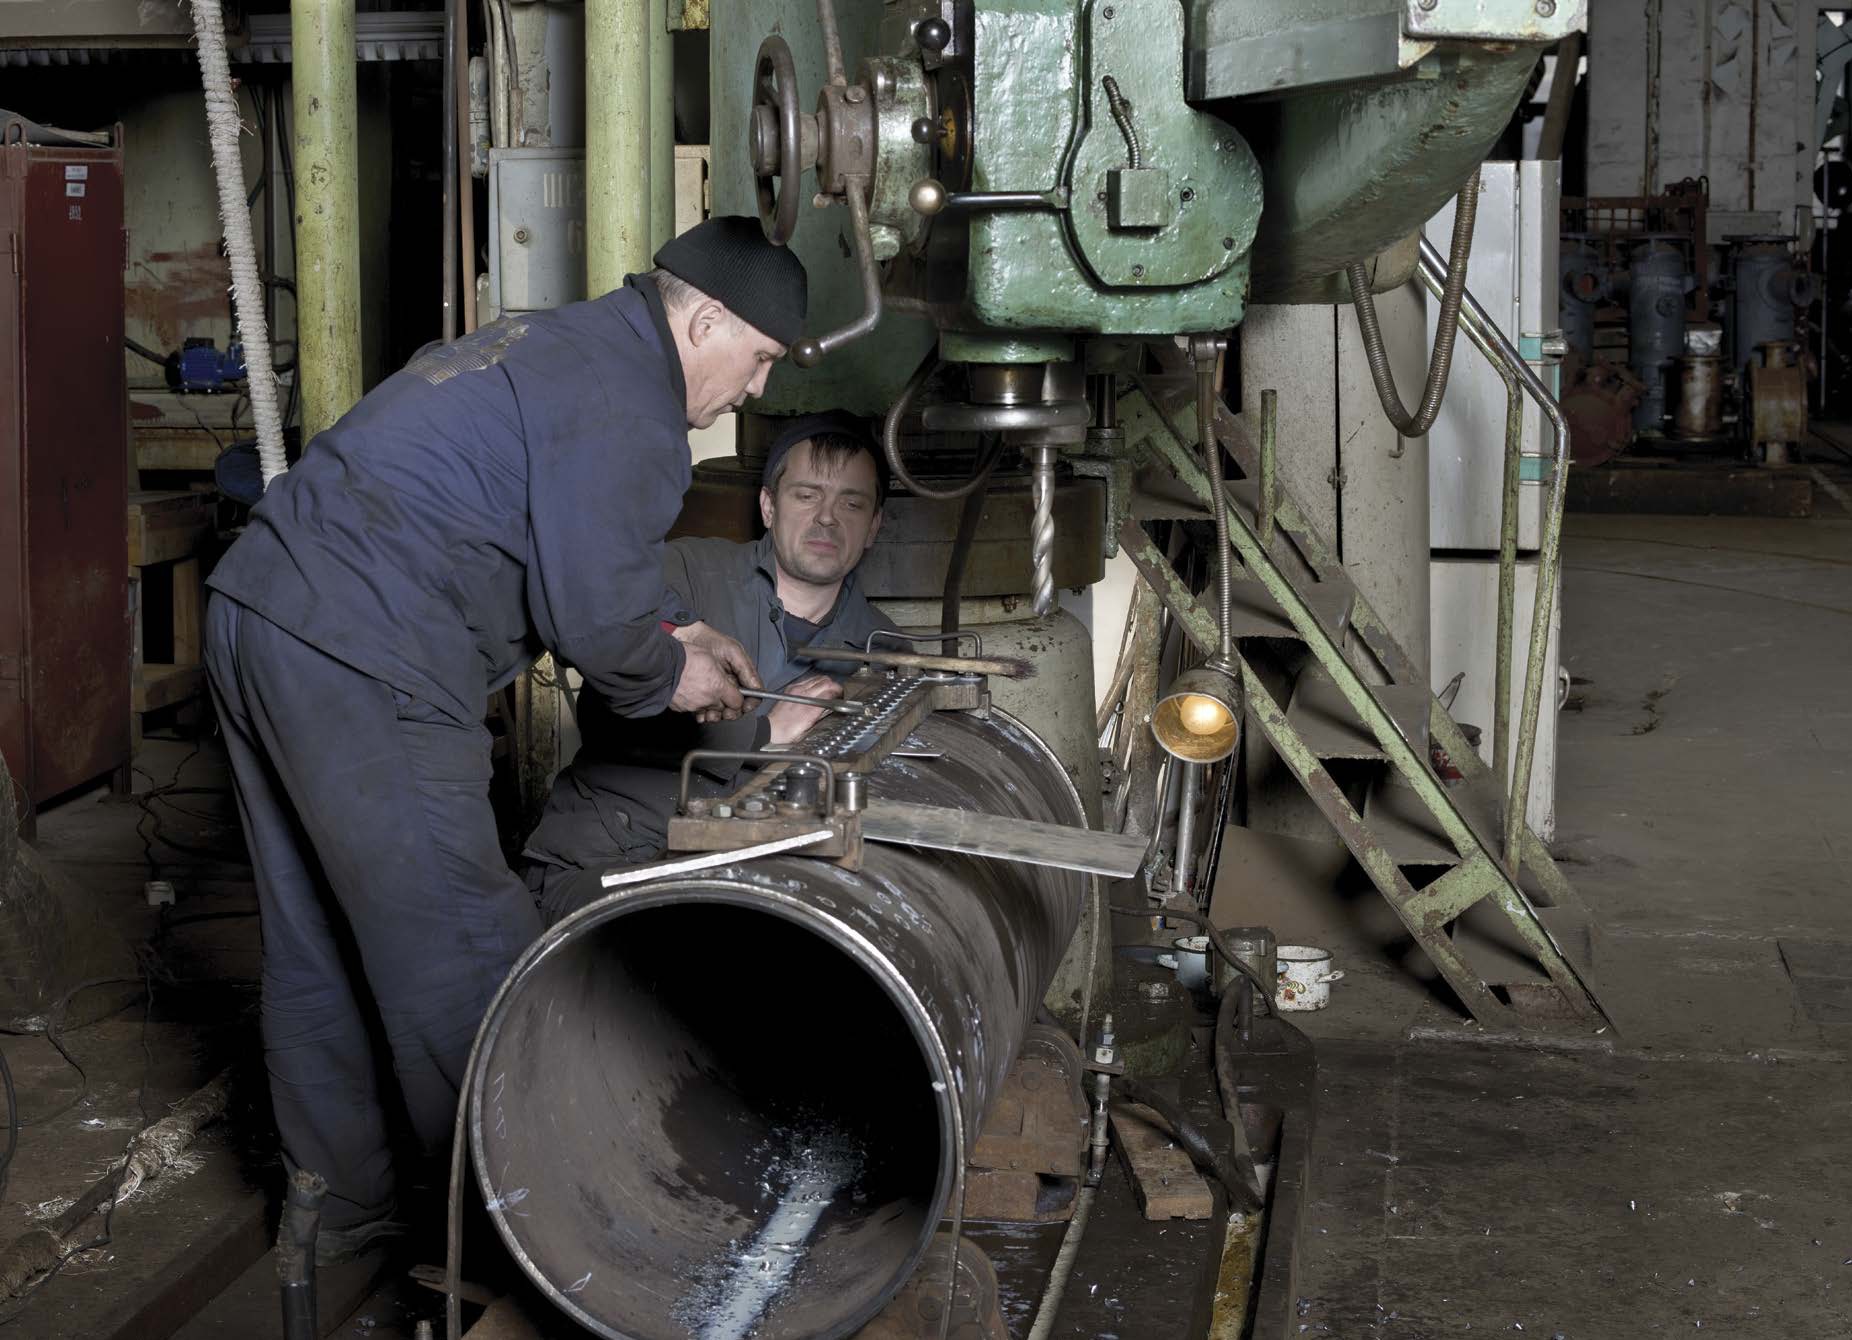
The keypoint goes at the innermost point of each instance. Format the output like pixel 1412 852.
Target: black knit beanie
pixel 729 259
pixel 835 423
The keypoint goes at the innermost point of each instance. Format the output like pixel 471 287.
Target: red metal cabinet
pixel 65 655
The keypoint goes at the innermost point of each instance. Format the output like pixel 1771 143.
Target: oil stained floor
pixel 1689 1172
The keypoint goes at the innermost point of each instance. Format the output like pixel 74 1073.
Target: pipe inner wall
pixel 734 1103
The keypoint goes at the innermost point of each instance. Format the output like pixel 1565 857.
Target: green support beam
pixel 327 154
pixel 618 149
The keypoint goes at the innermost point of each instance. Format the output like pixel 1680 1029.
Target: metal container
pixel 1698 412
pixel 65 652
pixel 762 1140
pixel 1777 402
pixel 1658 281
pixel 1765 289
pixel 1584 286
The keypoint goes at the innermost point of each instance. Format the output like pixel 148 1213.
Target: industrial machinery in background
pixel 979 917
pixel 1681 343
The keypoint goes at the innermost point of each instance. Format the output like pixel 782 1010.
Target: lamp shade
pixel 1198 719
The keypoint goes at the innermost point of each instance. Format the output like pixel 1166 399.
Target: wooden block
pixel 165 448
pixel 189 596
pixel 1165 1181
pixel 158 686
pixel 164 526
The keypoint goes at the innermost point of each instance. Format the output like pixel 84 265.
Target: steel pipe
pixel 1492 342
pixel 738 1102
pixel 327 158
pixel 618 150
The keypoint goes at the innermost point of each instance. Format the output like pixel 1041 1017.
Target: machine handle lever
pixel 807 353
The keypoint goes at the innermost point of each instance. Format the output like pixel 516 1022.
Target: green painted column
pixel 661 125
pixel 617 140
pixel 327 210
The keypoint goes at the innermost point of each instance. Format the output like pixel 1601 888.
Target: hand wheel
pixel 775 144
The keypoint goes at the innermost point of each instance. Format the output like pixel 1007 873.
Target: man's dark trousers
pixel 402 927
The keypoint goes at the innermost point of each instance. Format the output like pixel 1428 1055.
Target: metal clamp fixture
pixel 827 795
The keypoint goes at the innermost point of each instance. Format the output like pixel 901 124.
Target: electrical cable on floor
pixel 1243 1188
pixel 1222 947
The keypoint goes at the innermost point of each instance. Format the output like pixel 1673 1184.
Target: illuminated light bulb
pixel 1200 715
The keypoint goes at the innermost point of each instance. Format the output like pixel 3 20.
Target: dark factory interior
pixel 925 669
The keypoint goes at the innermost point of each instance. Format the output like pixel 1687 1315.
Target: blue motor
pixel 203 368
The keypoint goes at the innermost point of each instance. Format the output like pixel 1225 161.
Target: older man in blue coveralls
pixel 502 495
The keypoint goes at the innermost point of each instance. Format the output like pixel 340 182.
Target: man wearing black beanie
pixel 501 496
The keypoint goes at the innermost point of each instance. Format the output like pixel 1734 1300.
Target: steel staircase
pixel 1431 849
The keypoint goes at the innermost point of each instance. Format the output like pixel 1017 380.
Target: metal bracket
pixel 1496 20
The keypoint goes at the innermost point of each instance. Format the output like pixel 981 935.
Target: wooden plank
pixel 189 595
pixel 158 686
pixel 164 526
pixel 176 449
pixel 1167 1183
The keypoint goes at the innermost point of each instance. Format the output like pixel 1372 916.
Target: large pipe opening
pixel 698 1117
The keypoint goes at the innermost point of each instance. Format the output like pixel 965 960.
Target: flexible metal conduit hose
pixel 1440 363
pixel 1206 360
pixel 224 125
pixel 890 441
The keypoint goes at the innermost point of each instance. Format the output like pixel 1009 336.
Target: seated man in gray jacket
pixel 821 499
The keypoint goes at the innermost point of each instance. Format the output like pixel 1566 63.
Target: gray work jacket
pixel 611 806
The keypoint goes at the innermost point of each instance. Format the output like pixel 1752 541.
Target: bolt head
pixel 855 93
pixel 520 234
pixel 1546 8
pixel 1138 272
pixel 1107 12
pixel 1186 195
pixel 1428 5
pixel 1228 244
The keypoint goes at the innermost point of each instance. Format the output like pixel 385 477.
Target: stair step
pixel 1330 727
pixel 1158 495
pixel 1402 823
pixel 1258 614
pixel 1491 945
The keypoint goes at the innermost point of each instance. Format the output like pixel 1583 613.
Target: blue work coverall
pixel 501 495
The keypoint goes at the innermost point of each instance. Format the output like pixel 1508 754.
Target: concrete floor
pixel 1689 1170
pixel 1686 1171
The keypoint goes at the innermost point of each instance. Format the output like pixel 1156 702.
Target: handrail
pixel 1498 350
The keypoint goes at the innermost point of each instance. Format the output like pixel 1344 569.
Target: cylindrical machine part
pixel 327 180
pixel 1189 799
pixel 737 1102
pixel 1765 289
pixel 1658 280
pixel 1584 286
pixel 1698 411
